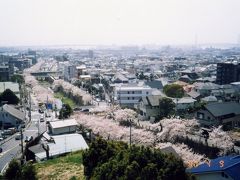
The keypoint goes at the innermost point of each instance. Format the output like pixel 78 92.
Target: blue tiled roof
pixel 228 164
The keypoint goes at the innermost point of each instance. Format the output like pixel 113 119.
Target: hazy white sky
pixel 48 22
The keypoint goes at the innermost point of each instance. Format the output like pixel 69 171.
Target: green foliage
pixel 13 171
pixel 173 90
pixel 17 172
pixel 9 96
pixel 65 99
pixel 166 107
pixel 17 78
pixel 116 160
pixel 73 178
pixel 28 172
pixel 65 112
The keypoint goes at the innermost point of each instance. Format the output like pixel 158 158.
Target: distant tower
pixel 90 54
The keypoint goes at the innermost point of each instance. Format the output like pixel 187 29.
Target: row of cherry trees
pixel 158 135
pixel 42 94
pixel 74 91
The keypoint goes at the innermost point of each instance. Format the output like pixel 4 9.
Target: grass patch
pixel 44 83
pixel 64 167
pixel 65 99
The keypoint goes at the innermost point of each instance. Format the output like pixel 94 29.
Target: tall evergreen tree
pixel 9 97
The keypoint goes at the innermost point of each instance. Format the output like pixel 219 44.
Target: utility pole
pixel 130 138
pixel 22 145
pixel 30 107
pixel 38 126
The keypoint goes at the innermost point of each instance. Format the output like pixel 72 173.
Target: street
pixel 12 148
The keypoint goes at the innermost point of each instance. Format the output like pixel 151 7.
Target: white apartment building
pixel 130 95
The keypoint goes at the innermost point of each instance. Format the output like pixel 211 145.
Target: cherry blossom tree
pixel 221 139
pixel 73 90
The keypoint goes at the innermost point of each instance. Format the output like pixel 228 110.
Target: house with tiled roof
pixel 10 116
pixel 215 114
pixel 222 168
pixel 149 107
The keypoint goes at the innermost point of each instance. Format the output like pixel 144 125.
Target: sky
pixel 119 22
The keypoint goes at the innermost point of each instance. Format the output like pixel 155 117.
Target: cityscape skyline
pixel 124 22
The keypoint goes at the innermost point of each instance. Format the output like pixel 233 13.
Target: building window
pixel 132 98
pixel 147 92
pixel 128 92
pixel 133 92
pixel 128 98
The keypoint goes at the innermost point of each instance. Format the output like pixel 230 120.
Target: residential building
pixel 20 63
pixel 185 78
pixel 228 72
pixel 190 74
pixel 80 70
pixel 209 99
pixel 149 107
pixel 62 126
pixel 4 73
pixel 205 89
pixel 10 116
pixel 184 103
pixel 57 145
pixel 129 95
pixel 222 168
pixel 119 78
pixel 32 55
pixel 215 114
pixel 156 84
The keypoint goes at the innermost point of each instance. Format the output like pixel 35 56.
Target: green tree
pixel 17 78
pixel 150 171
pixel 13 171
pixel 9 96
pixel 173 90
pixel 116 160
pixel 166 107
pixel 65 112
pixel 132 171
pixel 28 172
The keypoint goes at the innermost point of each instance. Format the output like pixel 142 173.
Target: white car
pixel 98 100
pixel 18 136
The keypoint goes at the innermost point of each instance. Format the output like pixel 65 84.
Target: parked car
pixel 40 111
pixel 77 109
pixel 7 132
pixel 98 100
pixel 41 119
pixel 18 136
pixel 28 138
pixel 85 110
